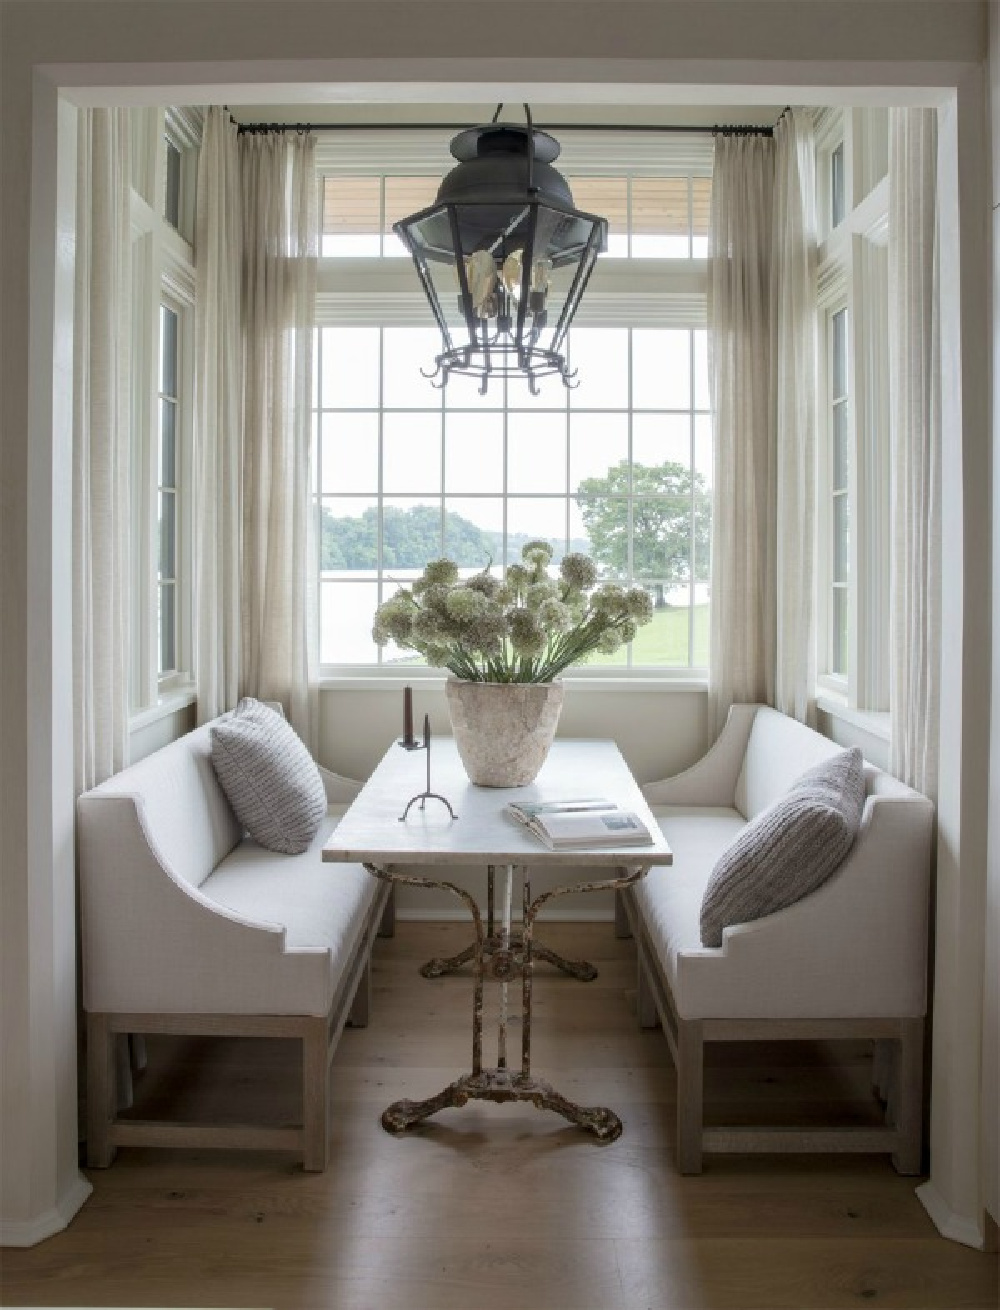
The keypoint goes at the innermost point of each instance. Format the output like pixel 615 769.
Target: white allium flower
pixel 536 552
pixel 554 616
pixel 539 592
pixel 444 571
pixel 609 641
pixel 465 604
pixel 578 571
pixel 639 604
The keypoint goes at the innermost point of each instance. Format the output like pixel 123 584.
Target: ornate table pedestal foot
pixel 440 965
pixel 503 1085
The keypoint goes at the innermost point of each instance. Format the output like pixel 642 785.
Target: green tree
pixel 666 521
pixel 410 538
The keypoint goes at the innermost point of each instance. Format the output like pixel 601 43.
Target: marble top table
pixel 374 833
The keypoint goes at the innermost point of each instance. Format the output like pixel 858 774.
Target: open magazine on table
pixel 582 821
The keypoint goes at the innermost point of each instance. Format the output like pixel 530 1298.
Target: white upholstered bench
pixel 848 960
pixel 190 927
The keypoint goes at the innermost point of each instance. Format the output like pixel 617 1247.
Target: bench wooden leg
pixel 315 1096
pixel 908 1097
pixel 387 924
pixel 690 1088
pixel 645 999
pixel 362 1004
pixel 102 1091
pixel 622 926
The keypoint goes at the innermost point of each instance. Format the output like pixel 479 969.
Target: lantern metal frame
pixel 505 343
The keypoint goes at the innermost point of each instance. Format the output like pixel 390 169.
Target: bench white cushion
pixel 322 907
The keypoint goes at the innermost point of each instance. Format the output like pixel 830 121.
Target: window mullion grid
pixel 630 516
pixel 692 508
pixel 380 497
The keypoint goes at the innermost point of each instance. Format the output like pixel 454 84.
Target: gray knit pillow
pixel 789 849
pixel 269 777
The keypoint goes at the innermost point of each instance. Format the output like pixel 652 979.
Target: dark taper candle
pixel 407 716
pixel 427 729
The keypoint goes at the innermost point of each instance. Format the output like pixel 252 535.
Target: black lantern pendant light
pixel 503 256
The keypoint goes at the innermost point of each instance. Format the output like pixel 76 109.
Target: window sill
pixel 171 702
pixel 874 722
pixel 427 679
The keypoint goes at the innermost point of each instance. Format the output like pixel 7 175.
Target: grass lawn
pixel 664 640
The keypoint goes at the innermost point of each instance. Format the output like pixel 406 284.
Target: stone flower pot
pixel 503 730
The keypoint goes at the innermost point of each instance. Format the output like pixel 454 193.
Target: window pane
pixel 407 351
pixel 552 392
pixel 661 541
pixel 600 358
pixel 839 366
pixel 702 393
pixel 473 458
pixel 536 452
pixel 405 196
pixel 841 538
pixel 660 218
pixel 840 447
pixel 167 626
pixel 601 526
pixel 839 659
pixel 608 198
pixel 168 443
pixel 346 610
pixel 348 535
pixel 540 516
pixel 172 186
pixel 664 643
pixel 837 193
pixel 411 458
pixel 463 392
pixel 411 533
pixel 351 216
pixel 473 531
pixel 701 560
pixel 703 453
pixel 661 369
pixel 598 452
pixel 662 439
pixel 349 454
pixel 701 205
pixel 349 365
pixel 168 352
pixel 167 535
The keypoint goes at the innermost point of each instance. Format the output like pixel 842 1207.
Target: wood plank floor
pixel 500 1206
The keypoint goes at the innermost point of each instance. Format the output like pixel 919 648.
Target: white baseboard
pixel 956 1227
pixel 450 916
pixel 29 1232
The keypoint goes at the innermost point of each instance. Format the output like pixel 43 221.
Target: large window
pixel 619 468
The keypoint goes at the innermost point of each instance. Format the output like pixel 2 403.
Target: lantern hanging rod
pixel 716 129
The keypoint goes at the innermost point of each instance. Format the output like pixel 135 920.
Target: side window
pixel 838 427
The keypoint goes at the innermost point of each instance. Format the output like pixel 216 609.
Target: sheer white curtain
pixel 791 675
pixel 102 425
pixel 915 410
pixel 218 418
pixel 739 320
pixel 280 247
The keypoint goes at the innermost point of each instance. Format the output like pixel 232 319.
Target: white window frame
pixel 163 273
pixel 623 292
pixel 853 274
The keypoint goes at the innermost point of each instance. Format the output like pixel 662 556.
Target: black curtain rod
pixel 718 129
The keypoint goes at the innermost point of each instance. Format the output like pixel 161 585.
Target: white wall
pixel 691 52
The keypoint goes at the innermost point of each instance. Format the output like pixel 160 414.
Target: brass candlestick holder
pixel 427 794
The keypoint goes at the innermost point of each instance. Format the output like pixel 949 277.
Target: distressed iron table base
pixel 504 958
pixel 440 965
pixel 503 1085
pixel 495 942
